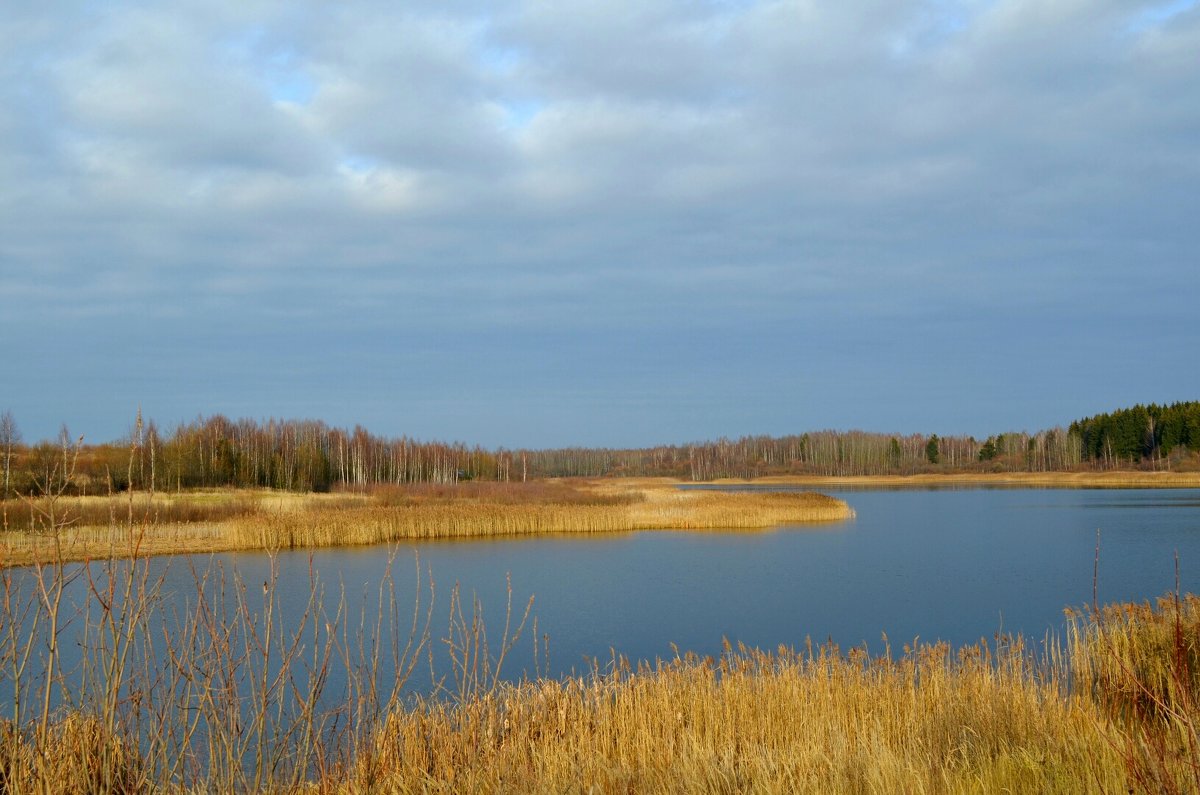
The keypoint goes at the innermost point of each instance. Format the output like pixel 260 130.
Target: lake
pixel 949 564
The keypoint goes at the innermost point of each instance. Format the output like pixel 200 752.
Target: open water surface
pixel 955 565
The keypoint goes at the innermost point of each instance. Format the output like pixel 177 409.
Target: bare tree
pixel 10 437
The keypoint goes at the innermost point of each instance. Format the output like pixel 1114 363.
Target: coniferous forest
pixel 308 455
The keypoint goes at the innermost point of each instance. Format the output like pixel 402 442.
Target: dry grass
pixel 932 721
pixel 29 515
pixel 239 520
pixel 473 513
pixel 83 756
pixel 707 510
pixel 1141 664
pixel 1114 710
pixel 541 492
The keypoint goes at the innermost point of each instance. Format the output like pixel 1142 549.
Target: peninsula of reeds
pixel 208 521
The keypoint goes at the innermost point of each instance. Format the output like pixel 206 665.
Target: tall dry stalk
pixel 476 671
pixel 1141 664
pixel 222 694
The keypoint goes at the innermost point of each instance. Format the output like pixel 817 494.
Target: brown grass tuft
pixel 1141 664
pixel 80 755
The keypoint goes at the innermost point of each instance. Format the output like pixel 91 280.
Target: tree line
pixel 308 455
pixel 1141 433
pixel 293 455
pixel 833 453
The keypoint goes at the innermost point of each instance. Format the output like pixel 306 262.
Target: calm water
pixel 955 565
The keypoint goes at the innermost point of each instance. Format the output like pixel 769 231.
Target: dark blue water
pixel 955 565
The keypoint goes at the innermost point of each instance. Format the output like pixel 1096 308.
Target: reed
pixel 1141 664
pixel 982 719
pixel 646 509
pixel 104 511
pixel 812 721
pixel 209 522
pixel 710 510
pixel 537 492
pixel 88 757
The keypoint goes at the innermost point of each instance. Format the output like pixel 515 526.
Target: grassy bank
pixel 92 527
pixel 1110 708
pixel 930 721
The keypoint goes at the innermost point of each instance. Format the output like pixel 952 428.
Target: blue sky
pixel 598 223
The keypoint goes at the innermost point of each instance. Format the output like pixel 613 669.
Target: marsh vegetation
pixel 240 519
pixel 260 519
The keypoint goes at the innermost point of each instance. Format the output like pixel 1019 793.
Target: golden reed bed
pixel 209 522
pixel 752 722
pixel 1111 708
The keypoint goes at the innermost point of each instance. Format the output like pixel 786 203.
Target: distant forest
pixel 307 455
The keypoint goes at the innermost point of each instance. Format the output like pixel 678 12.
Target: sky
pixel 530 224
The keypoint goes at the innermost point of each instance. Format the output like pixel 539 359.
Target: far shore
pixel 1116 479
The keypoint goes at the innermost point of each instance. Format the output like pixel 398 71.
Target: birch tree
pixel 10 437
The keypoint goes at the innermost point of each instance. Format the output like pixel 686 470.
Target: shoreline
pixel 1116 479
pixel 274 521
pixel 987 717
pixel 262 519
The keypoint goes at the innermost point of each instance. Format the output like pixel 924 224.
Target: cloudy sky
pixel 598 222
